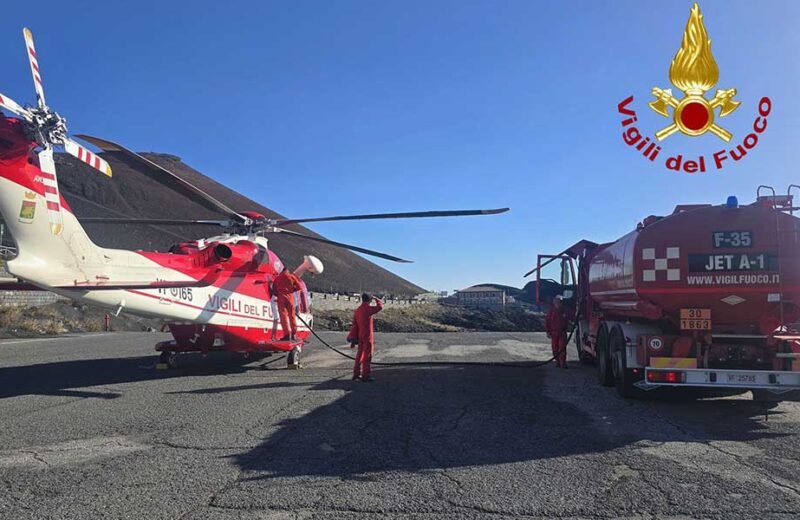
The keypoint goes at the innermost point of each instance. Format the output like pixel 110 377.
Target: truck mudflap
pixel 773 380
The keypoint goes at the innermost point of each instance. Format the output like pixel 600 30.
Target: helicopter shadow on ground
pixel 77 378
pixel 424 419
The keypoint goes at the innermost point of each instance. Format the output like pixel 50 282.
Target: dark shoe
pixel 367 380
pixel 293 337
pixel 285 338
pixel 564 366
pixel 356 378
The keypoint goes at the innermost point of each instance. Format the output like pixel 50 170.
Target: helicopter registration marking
pixel 183 293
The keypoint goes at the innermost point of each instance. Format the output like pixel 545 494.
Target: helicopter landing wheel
pixel 293 359
pixel 167 360
pixel 163 360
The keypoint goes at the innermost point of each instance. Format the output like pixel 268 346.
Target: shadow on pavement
pixel 239 388
pixel 68 378
pixel 417 419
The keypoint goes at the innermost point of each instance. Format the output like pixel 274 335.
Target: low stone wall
pixel 320 301
pixel 329 302
pixel 27 298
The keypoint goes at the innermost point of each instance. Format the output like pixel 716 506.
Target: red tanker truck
pixel 708 296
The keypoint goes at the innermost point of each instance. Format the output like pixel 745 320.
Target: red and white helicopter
pixel 213 293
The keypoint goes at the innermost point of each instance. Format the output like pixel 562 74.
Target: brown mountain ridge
pixel 132 192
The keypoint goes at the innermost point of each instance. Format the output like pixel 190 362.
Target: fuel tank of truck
pixel 740 262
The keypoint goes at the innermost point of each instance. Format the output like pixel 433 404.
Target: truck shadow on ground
pixel 418 419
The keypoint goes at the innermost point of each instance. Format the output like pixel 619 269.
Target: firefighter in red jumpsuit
pixel 363 333
pixel 284 287
pixel 556 323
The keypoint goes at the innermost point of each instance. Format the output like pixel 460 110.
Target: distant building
pixel 482 296
pixel 427 297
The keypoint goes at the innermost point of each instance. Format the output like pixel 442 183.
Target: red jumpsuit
pixel 362 329
pixel 284 287
pixel 555 324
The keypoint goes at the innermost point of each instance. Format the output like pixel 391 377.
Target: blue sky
pixel 363 106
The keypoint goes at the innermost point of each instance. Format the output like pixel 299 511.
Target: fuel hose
pixel 442 363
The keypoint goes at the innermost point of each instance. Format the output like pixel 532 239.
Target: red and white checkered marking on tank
pixel 669 265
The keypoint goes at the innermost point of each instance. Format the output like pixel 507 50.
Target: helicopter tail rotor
pixel 34 62
pixel 15 108
pixel 43 124
pixel 90 158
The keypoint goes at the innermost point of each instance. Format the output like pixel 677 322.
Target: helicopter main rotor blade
pixel 34 61
pixel 343 245
pixel 412 214
pixel 166 177
pixel 154 221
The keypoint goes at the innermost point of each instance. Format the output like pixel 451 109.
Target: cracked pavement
pixel 91 430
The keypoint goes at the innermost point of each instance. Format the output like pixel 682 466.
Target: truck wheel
pixel 623 376
pixel 603 365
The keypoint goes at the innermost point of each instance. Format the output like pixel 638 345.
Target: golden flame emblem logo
pixel 30 195
pixel 694 71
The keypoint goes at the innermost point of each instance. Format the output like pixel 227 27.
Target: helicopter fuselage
pixel 215 293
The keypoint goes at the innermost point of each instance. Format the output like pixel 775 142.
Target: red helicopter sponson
pixel 214 293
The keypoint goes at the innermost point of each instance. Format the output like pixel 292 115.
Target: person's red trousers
pixel 288 319
pixel 362 367
pixel 558 342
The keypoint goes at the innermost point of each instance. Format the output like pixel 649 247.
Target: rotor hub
pixel 49 128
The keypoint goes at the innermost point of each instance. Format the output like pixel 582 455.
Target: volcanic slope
pixel 133 192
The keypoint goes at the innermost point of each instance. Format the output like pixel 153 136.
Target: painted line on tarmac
pixel 70 336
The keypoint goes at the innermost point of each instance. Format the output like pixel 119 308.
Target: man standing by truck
pixel 362 330
pixel 556 323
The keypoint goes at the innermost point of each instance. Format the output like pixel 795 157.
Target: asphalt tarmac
pixel 89 429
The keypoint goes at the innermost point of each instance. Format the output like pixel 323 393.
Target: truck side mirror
pixel 566 278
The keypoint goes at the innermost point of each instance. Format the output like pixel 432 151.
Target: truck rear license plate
pixel 695 319
pixel 741 378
